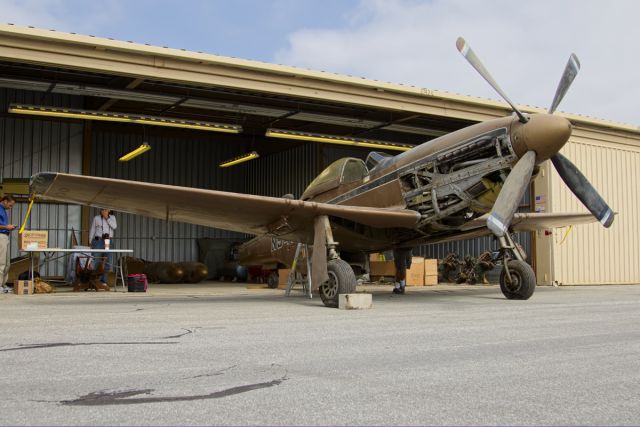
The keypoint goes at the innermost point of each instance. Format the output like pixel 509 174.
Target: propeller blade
pixel 471 57
pixel 570 73
pixel 583 189
pixel 510 195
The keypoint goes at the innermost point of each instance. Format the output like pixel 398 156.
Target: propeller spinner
pixel 541 136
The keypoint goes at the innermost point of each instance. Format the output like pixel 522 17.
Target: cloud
pixel 75 16
pixel 525 45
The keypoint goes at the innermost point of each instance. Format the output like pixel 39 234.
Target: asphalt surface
pixel 445 355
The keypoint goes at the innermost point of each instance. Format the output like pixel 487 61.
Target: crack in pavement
pixel 121 398
pixel 214 374
pixel 72 344
pixel 189 331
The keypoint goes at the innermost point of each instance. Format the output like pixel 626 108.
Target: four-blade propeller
pixel 518 179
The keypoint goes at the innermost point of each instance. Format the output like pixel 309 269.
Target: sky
pixel 524 44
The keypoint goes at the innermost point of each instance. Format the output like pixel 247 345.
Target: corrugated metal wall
pixel 331 153
pixel 184 159
pixel 592 254
pixel 290 171
pixel 287 172
pixel 31 145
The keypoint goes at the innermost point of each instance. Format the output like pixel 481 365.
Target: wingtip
pixel 41 181
pixel 460 43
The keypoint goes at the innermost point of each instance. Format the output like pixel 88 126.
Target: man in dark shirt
pixel 6 203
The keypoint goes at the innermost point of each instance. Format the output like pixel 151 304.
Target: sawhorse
pixel 306 283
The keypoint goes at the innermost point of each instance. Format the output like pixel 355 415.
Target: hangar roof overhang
pixel 127 77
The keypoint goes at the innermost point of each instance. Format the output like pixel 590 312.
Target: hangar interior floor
pixel 213 288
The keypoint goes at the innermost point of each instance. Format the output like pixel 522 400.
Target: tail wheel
pixel 342 280
pixel 523 280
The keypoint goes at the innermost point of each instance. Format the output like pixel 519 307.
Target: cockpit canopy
pixel 342 171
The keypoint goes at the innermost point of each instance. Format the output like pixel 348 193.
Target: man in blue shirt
pixel 6 203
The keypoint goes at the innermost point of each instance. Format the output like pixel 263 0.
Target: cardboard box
pixel 382 268
pixel 376 257
pixel 430 267
pixel 415 274
pixel 283 277
pixel 19 266
pixel 430 280
pixel 430 272
pixel 23 287
pixel 33 239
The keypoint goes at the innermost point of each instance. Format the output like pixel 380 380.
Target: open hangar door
pixel 190 157
pixel 190 88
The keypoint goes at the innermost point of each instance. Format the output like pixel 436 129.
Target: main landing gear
pixel 517 279
pixel 342 280
pixel 339 277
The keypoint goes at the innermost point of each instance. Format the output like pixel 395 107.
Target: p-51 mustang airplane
pixel 462 185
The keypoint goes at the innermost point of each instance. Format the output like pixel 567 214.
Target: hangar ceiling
pixel 253 110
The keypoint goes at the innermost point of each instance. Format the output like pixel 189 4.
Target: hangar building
pixel 74 103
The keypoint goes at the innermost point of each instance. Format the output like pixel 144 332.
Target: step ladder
pixel 296 278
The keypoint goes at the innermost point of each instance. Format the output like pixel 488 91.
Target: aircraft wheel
pixel 342 280
pixel 272 280
pixel 523 280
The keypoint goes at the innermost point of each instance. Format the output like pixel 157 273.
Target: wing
pixel 521 222
pixel 245 213
pixel 541 221
pixel 529 221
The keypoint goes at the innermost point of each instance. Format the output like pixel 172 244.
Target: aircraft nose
pixel 543 133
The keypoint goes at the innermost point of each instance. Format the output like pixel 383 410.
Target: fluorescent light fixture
pixel 72 113
pixel 340 140
pixel 244 158
pixel 135 153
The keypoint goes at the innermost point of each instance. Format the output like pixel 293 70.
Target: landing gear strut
pixel 517 279
pixel 334 276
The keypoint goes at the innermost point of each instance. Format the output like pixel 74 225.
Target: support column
pixel 87 146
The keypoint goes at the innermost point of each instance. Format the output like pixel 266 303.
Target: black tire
pixel 342 280
pixel 272 280
pixel 524 281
